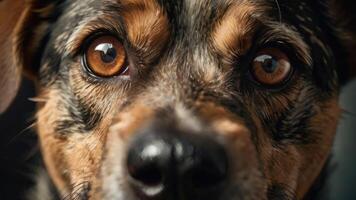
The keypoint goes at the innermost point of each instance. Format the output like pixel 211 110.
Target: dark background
pixel 19 149
pixel 18 146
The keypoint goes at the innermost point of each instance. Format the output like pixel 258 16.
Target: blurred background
pixel 342 182
pixel 19 149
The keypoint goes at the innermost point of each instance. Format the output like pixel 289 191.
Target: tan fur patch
pixel 244 164
pixel 147 25
pixel 70 160
pixel 297 166
pixel 315 155
pixel 223 121
pixel 51 146
pixel 128 122
pixel 233 33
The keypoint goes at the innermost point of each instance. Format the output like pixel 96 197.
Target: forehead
pixel 198 13
pixel 195 20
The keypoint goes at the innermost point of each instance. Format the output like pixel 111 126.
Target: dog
pixel 184 99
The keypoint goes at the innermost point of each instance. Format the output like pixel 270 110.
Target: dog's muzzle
pixel 164 165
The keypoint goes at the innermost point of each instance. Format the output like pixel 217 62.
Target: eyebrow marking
pixel 235 33
pixel 147 25
pixel 232 33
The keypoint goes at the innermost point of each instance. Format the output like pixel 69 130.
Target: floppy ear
pixel 10 74
pixel 23 25
pixel 344 14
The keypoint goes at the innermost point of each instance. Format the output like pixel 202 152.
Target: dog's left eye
pixel 106 57
pixel 271 67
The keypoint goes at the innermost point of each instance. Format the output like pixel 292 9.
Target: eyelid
pixel 281 45
pixel 80 37
pixel 289 50
pixel 87 41
pixel 281 36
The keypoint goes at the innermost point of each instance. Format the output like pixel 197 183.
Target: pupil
pixel 269 64
pixel 107 52
pixel 109 56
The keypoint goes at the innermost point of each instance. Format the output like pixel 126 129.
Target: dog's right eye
pixel 106 57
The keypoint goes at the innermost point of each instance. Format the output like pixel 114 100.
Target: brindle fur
pixel 189 62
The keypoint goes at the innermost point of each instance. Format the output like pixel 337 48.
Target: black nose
pixel 163 166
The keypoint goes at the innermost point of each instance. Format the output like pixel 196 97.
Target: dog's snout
pixel 148 161
pixel 163 165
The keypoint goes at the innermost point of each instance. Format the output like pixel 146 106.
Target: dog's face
pixel 188 99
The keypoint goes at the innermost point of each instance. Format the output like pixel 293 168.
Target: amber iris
pixel 106 57
pixel 271 67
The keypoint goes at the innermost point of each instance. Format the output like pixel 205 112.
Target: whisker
pixel 279 10
pixel 21 133
pixel 37 99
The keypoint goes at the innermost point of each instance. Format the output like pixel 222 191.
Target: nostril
pixel 209 167
pixel 149 175
pixel 147 162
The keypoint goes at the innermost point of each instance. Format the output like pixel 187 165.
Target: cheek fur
pixel 72 158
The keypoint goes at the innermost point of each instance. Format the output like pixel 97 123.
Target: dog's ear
pixel 10 75
pixel 23 25
pixel 343 12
